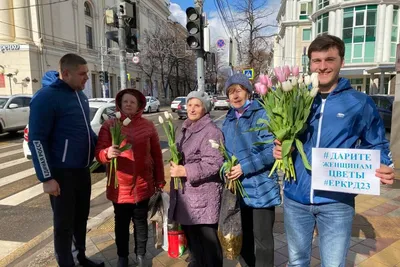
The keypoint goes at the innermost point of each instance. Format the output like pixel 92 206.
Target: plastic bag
pixel 230 225
pixel 158 216
pixel 165 201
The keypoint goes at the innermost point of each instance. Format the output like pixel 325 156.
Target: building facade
pixel 370 30
pixel 35 34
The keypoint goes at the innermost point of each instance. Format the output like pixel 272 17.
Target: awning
pixel 351 72
pixel 381 68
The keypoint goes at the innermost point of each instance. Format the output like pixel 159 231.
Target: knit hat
pixel 241 79
pixel 203 97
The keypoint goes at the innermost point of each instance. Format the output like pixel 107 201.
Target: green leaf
pixel 286 147
pixel 263 142
pixel 299 146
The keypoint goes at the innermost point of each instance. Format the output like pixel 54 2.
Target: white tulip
pixel 287 86
pixel 314 91
pixel 126 122
pixel 118 115
pixel 301 80
pixel 166 115
pixel 214 144
pixel 170 116
pixel 294 81
pixel 307 80
pixel 314 80
pixel 105 117
pixel 160 119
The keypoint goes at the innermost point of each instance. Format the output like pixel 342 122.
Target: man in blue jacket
pixel 62 144
pixel 340 117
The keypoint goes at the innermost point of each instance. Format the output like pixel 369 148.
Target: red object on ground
pixel 176 243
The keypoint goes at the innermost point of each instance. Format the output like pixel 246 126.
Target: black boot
pixel 85 262
pixel 123 261
pixel 140 259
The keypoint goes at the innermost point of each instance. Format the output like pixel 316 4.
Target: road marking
pixel 10 145
pixel 13 163
pixel 98 188
pixel 17 176
pixel 10 153
pixel 100 218
pixel 220 117
pixel 7 247
pixel 164 150
pixel 23 196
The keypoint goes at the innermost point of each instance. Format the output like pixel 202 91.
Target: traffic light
pixel 194 27
pixel 131 41
pixel 101 76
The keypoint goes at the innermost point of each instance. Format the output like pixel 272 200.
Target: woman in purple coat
pixel 196 205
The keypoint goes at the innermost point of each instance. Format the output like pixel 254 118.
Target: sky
pixel 217 31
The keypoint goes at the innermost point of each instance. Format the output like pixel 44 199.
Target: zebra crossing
pixel 20 190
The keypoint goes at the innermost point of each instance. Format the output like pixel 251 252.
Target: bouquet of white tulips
pixel 287 106
pixel 170 131
pixel 117 138
pixel 232 185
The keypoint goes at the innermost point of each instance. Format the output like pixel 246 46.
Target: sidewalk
pixel 375 238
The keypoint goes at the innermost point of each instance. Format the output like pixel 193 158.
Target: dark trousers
pixel 124 213
pixel 70 212
pixel 258 238
pixel 204 246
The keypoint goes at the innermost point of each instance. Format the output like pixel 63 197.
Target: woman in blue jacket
pixel 255 163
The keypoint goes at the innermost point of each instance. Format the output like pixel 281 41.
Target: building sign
pixel 2 81
pixel 10 47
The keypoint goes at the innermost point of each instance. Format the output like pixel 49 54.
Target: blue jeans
pixel 334 222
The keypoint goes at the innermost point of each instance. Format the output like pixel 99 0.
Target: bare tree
pixel 254 27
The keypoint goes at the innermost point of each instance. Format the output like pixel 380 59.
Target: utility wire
pixel 21 7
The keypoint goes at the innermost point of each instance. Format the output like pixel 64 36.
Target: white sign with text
pixel 346 170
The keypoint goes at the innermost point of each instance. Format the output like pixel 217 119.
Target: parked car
pixel 152 104
pixel 97 109
pixel 384 104
pixel 14 112
pixel 105 100
pixel 176 102
pixel 181 109
pixel 221 103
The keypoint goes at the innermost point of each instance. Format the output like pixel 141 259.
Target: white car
pixel 105 100
pixel 152 104
pixel 176 102
pixel 222 102
pixel 97 109
pixel 14 112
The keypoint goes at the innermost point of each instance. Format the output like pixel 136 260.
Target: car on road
pixel 105 100
pixel 14 112
pixel 97 109
pixel 384 104
pixel 176 102
pixel 152 104
pixel 181 109
pixel 222 102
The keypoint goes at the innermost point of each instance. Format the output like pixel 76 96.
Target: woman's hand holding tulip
pixel 113 152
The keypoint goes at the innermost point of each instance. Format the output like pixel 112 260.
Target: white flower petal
pixel 160 119
pixel 307 80
pixel 301 80
pixel 294 81
pixel 118 115
pixel 166 115
pixel 314 80
pixel 215 145
pixel 314 91
pixel 126 122
pixel 105 117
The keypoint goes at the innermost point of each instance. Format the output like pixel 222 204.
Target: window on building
pixel 89 37
pixel 88 11
pixel 322 24
pixel 395 37
pixel 359 33
pixel 305 10
pixel 322 3
pixel 306 34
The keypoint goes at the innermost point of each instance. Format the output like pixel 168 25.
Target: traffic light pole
pixel 103 86
pixel 200 55
pixel 122 48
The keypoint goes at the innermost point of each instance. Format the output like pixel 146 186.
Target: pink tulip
pixel 279 74
pixel 295 71
pixel 286 71
pixel 261 88
pixel 264 79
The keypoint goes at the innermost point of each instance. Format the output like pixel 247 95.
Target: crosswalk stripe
pixel 98 188
pixel 17 176
pixel 13 163
pixel 6 247
pixel 10 153
pixel 22 196
pixel 164 150
pixel 11 145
